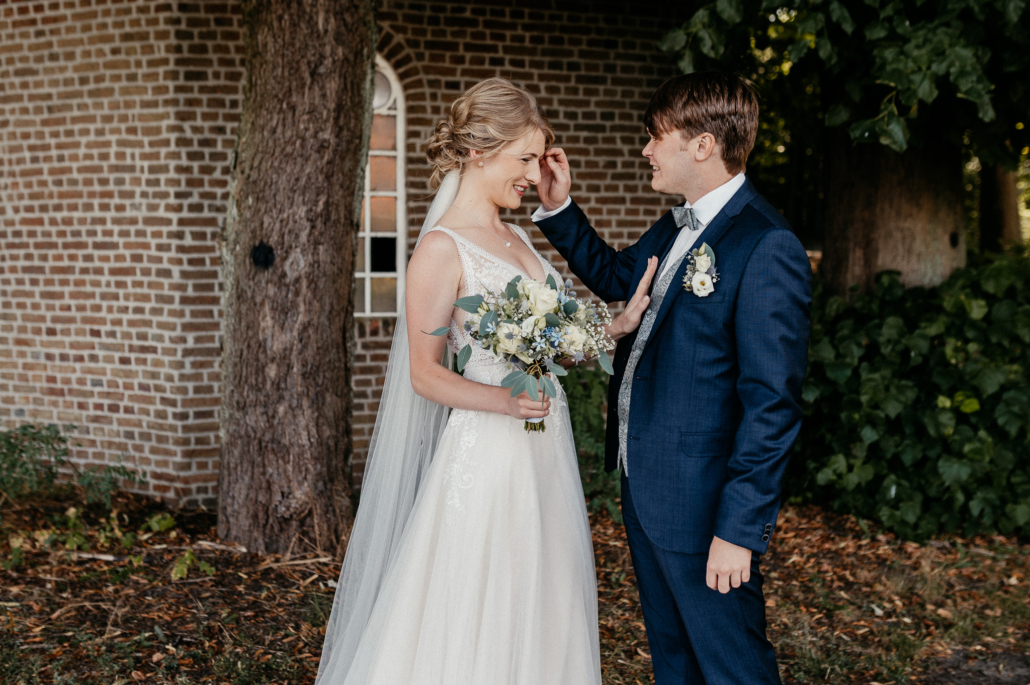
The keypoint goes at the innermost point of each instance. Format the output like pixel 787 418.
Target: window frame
pixel 395 107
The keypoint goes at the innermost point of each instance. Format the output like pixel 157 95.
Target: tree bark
pixel 999 209
pixel 288 261
pixel 890 211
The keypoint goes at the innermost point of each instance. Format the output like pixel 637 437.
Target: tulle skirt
pixel 494 582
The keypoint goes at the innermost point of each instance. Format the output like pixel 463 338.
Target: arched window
pixel 379 269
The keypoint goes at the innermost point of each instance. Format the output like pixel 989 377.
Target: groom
pixel 703 407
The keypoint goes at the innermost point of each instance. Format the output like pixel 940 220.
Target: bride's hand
pixel 629 319
pixel 555 179
pixel 522 407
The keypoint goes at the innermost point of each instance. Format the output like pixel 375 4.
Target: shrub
pixel 587 392
pixel 31 456
pixel 917 403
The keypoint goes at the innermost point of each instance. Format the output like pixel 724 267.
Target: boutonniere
pixel 701 275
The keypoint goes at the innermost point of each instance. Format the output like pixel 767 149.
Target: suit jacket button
pixel 765 538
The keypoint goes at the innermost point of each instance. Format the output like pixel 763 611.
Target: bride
pixel 470 561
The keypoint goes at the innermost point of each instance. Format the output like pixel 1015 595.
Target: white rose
pixel 703 263
pixel 702 284
pixel 508 338
pixel 542 299
pixel 574 338
pixel 531 325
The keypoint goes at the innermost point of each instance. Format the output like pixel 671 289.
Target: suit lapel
pixel 711 235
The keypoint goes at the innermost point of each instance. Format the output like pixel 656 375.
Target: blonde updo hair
pixel 487 117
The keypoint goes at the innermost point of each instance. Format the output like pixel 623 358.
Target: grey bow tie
pixel 684 216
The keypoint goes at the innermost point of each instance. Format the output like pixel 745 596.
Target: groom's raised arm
pixel 606 271
pixel 772 323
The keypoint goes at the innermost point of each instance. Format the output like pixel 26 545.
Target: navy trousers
pixel 698 636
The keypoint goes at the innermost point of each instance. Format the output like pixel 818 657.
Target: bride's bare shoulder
pixel 436 252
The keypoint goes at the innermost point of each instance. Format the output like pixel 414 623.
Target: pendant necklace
pixel 506 243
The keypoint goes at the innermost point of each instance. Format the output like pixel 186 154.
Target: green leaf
pixel 469 304
pixel 551 282
pixel 954 471
pixel 863 130
pixel 549 388
pixel 489 319
pixel 869 434
pixel 532 388
pixel 876 30
pixel 552 319
pixel 440 331
pixel 894 133
pixel 605 363
pixel 969 406
pixel 556 369
pixel 673 41
pixel 1013 10
pixel 825 49
pixel 1013 413
pixel 463 357
pixel 686 62
pixel 797 50
pixel 730 10
pixel 1019 513
pixel 840 15
pixel 976 308
pixel 511 291
pixel 510 380
pixel 521 384
pixel 570 307
pixel 837 115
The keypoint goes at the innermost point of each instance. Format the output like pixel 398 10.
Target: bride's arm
pixel 433 280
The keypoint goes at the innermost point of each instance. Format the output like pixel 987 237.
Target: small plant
pixel 182 566
pixel 31 457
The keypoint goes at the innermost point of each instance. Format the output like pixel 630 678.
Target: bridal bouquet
pixel 534 326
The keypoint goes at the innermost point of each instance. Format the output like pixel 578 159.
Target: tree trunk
pixel 288 261
pixel 890 211
pixel 999 209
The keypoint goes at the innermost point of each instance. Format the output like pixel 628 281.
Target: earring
pixel 480 164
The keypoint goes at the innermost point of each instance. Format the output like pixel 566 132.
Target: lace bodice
pixel 482 271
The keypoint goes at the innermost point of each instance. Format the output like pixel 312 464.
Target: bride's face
pixel 507 174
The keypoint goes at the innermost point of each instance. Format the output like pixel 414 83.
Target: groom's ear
pixel 706 147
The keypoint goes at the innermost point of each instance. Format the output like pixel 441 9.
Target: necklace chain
pixel 506 243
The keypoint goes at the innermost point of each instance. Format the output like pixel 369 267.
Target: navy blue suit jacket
pixel 715 405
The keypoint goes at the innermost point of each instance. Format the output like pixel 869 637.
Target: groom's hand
pixel 555 179
pixel 728 565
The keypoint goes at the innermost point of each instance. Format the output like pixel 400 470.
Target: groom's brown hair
pixel 724 105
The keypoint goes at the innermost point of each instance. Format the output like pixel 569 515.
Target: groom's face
pixel 672 163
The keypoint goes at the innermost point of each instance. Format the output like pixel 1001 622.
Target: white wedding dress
pixel 493 579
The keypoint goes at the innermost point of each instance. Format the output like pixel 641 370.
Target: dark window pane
pixel 384 254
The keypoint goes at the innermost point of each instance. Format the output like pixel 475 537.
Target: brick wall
pixel 117 120
pixel 117 125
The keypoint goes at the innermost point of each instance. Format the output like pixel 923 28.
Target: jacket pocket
pixel 703 445
pixel 712 298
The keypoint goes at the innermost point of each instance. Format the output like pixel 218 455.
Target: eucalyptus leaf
pixel 489 319
pixel 548 386
pixel 463 357
pixel 570 307
pixel 440 331
pixel 470 303
pixel 532 388
pixel 552 320
pixel 510 380
pixel 555 368
pixel 551 282
pixel 605 363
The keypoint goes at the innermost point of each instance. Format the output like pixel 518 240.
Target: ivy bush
pixel 586 388
pixel 917 403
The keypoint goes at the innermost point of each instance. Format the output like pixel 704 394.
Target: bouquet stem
pixel 535 426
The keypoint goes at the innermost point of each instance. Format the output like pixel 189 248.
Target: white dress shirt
pixel 705 209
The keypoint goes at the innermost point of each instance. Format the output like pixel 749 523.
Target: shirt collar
pixel 712 203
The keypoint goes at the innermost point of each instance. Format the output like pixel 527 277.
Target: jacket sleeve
pixel 772 323
pixel 606 271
